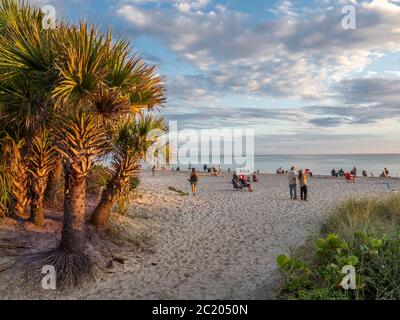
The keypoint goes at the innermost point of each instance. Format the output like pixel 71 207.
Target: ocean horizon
pixel 321 164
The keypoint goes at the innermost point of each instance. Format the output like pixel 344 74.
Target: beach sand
pixel 221 244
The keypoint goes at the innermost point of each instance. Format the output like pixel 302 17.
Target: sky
pixel 287 69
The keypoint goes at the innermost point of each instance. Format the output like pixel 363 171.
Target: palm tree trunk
pixel 19 189
pixel 101 213
pixel 73 238
pixel 54 183
pixel 115 187
pixel 37 214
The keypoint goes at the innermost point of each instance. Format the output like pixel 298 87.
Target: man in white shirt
pixel 292 176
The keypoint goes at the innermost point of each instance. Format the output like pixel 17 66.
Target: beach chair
pixel 236 185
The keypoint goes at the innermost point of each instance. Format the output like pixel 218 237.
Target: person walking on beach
pixel 303 180
pixel 153 170
pixel 194 179
pixel 292 183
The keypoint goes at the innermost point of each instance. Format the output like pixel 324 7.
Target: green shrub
pixel 98 178
pixel 124 200
pixel 360 233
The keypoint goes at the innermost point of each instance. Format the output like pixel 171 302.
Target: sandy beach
pixel 222 244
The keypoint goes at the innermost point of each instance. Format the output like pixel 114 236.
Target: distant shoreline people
pixel 255 179
pixel 350 177
pixel 365 174
pixel 385 173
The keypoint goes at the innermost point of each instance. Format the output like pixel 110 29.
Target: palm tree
pixel 72 83
pixel 27 76
pixel 132 141
pixel 42 160
pixel 97 83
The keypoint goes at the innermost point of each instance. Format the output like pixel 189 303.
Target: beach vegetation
pixel 70 96
pixel 131 143
pixel 180 192
pixel 364 234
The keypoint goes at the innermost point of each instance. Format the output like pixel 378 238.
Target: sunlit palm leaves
pixel 25 45
pixel 13 153
pixel 80 139
pixel 42 160
pixel 83 66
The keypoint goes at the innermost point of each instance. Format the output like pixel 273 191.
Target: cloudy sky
pixel 288 69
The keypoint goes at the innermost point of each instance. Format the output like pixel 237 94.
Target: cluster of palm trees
pixel 69 96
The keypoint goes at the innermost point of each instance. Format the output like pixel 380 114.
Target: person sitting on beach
pixel 255 177
pixel 214 172
pixel 354 171
pixel 341 173
pixel 365 174
pixel 334 173
pixel 292 177
pixel 387 172
pixel 303 180
pixel 383 174
pixel 245 183
pixel 236 182
pixel 194 179
pixel 350 177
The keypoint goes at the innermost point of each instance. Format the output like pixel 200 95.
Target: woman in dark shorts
pixel 194 178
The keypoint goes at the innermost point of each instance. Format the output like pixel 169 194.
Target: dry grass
pixel 180 192
pixel 121 233
pixel 372 215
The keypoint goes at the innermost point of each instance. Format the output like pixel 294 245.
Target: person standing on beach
pixel 303 180
pixel 194 179
pixel 292 183
pixel 153 170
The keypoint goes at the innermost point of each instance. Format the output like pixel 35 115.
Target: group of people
pixel 243 182
pixel 352 175
pixel 298 178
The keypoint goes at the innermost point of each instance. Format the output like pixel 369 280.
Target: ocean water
pixel 322 164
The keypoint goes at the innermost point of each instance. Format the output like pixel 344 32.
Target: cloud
pixel 302 57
